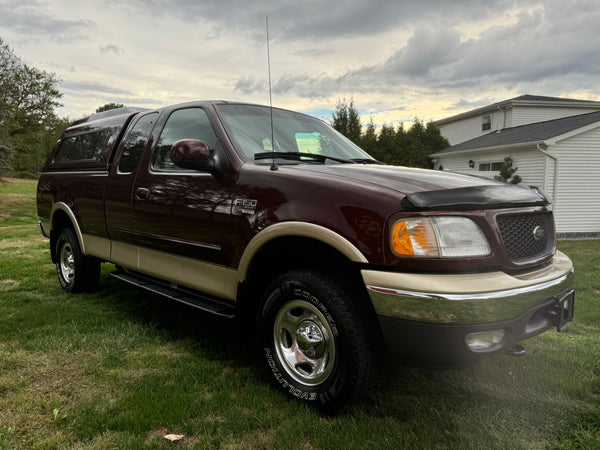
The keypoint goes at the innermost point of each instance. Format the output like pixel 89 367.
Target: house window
pixel 490 167
pixel 486 123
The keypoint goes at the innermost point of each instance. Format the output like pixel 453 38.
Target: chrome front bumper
pixel 466 298
pixel 440 320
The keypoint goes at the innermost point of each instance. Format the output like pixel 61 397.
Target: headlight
pixel 438 237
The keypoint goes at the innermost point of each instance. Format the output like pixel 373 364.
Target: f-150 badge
pixel 248 205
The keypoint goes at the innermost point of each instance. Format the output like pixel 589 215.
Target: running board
pixel 177 293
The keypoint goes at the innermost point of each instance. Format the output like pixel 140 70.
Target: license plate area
pixel 565 307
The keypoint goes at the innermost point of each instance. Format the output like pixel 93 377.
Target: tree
pixel 28 97
pixel 109 106
pixel 507 172
pixel 346 120
pixel 386 146
pixel 368 140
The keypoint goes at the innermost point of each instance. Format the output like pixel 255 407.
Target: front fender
pixel 297 229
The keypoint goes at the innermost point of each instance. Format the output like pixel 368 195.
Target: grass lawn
pixel 120 369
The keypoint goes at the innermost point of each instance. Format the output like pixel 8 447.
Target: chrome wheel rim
pixel 304 342
pixel 67 263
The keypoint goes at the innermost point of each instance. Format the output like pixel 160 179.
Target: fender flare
pixel 61 206
pixel 297 229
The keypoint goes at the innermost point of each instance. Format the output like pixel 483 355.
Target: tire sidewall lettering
pixel 311 298
pixel 284 383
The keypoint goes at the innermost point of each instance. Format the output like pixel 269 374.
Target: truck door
pixel 119 191
pixel 182 217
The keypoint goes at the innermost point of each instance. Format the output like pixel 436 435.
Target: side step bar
pixel 177 293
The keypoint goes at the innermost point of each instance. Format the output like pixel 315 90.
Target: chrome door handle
pixel 142 194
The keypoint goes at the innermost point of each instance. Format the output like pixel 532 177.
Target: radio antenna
pixel 273 164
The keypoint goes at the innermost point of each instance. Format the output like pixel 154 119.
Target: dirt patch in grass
pixel 18 181
pixel 7 285
pixel 8 202
pixel 21 243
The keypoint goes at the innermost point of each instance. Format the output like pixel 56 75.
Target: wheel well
pixel 60 221
pixel 288 253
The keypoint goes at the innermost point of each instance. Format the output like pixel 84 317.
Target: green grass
pixel 119 369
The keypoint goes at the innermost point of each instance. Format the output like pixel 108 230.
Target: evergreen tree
pixel 346 120
pixel 410 147
pixel 507 172
pixel 386 146
pixel 368 141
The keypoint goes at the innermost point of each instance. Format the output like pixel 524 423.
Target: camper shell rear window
pixel 88 144
pixel 86 147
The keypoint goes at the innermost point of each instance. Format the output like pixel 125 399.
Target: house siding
pixel 463 130
pixel 524 115
pixel 577 206
pixel 529 161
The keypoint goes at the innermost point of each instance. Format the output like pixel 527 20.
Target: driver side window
pixel 190 123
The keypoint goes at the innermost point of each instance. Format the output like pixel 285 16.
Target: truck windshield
pixel 249 126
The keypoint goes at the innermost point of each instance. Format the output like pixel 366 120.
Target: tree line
pixel 29 126
pixel 395 146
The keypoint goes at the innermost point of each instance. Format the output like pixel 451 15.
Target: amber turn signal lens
pixel 401 242
pixel 414 237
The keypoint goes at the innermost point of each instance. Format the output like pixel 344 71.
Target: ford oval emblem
pixel 538 233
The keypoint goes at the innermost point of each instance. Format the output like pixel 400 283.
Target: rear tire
pixel 76 272
pixel 314 341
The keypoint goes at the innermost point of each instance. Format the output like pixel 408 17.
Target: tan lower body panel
pixel 208 278
pixel 96 246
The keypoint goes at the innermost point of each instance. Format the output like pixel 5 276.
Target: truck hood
pixel 430 189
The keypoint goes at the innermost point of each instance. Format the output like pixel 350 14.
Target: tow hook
pixel 516 350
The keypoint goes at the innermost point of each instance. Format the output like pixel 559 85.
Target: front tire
pixel 76 272
pixel 314 340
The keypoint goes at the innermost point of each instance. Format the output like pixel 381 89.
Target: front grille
pixel 527 236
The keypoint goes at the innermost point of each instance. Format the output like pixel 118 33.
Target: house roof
pixel 523 100
pixel 538 132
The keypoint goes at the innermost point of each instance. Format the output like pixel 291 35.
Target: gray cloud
pixel 307 19
pixel 111 48
pixel 543 46
pixel 91 87
pixel 30 20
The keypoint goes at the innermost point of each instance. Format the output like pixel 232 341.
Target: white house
pixel 555 143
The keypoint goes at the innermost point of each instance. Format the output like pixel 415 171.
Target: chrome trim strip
pixel 95 172
pixel 41 228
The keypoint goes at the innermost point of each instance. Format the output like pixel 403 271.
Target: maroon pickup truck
pixel 274 218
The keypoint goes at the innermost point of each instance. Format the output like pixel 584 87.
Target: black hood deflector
pixel 475 197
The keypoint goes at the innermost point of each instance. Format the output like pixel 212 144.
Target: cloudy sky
pixel 397 59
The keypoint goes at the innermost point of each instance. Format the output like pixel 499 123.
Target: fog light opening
pixel 484 341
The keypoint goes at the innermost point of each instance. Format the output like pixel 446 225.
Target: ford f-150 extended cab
pixel 273 217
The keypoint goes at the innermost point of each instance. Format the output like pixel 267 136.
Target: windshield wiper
pixel 366 161
pixel 297 156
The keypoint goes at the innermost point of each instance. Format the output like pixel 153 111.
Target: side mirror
pixel 192 154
